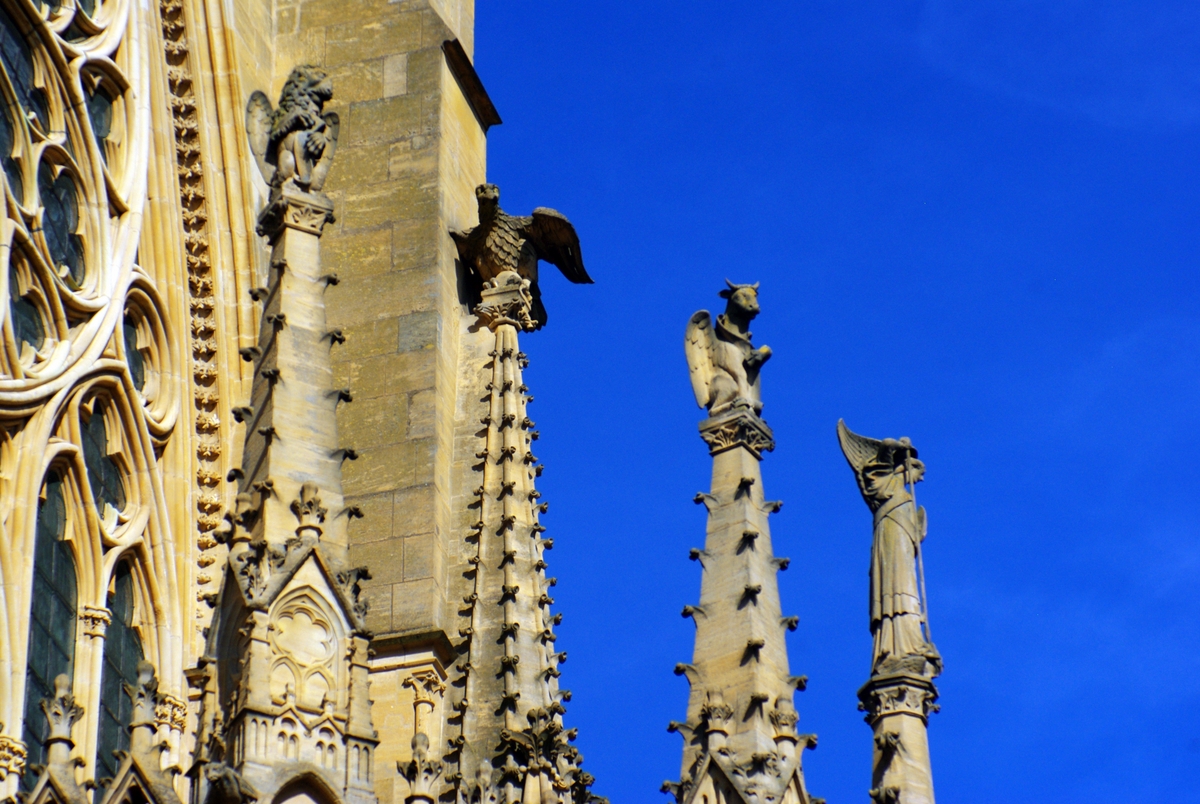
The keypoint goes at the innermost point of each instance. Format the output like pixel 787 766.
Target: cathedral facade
pixel 270 521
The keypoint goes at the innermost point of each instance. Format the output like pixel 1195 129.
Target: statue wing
pixel 859 450
pixel 698 345
pixel 554 239
pixel 333 125
pixel 259 115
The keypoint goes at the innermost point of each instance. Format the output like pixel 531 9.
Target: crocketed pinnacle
pixel 741 722
pixel 511 713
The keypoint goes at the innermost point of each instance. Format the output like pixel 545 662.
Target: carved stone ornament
pixel 737 427
pixel 308 509
pixel 902 694
pixel 171 712
pixel 887 472
pixel 547 759
pixel 506 301
pixel 62 712
pixel 12 756
pixel 226 786
pixel 422 772
pixel 95 620
pixel 504 243
pixel 296 142
pixel 724 365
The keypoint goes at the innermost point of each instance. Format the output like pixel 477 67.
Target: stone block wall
pixel 409 156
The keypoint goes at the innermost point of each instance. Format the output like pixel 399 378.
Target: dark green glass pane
pixel 103 475
pixel 122 652
pixel 135 359
pixel 18 62
pixel 60 219
pixel 100 113
pixel 88 6
pixel 12 170
pixel 52 620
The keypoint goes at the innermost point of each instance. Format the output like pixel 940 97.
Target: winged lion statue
pixel 295 142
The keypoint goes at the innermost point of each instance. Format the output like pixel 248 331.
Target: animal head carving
pixel 306 87
pixel 742 300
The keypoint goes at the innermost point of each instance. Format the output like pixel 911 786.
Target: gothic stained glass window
pixel 18 63
pixel 103 475
pixel 51 622
pixel 122 652
pixel 26 320
pixel 135 359
pixel 60 219
pixel 12 171
pixel 100 112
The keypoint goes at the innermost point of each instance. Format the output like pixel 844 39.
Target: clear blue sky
pixel 976 224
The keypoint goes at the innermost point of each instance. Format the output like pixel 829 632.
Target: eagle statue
pixel 503 242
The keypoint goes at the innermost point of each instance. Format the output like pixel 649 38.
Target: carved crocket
pixel 503 242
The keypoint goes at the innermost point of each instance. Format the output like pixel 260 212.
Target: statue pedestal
pixel 898 708
pixel 737 427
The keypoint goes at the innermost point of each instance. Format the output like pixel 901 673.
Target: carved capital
pixel 739 427
pixel 292 208
pixel 95 620
pixel 171 712
pixel 506 300
pixel 12 756
pixel 425 685
pixel 900 694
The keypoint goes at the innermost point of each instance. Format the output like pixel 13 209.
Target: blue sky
pixel 975 224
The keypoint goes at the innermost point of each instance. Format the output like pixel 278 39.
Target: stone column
pixel 898 708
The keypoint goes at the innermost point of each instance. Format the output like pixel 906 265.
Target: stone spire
pixel 511 743
pixel 900 695
pixel 284 676
pixel 740 739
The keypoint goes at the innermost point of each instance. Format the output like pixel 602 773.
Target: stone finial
pixel 146 699
pixel 308 509
pixel 422 772
pixel 61 714
pixel 723 364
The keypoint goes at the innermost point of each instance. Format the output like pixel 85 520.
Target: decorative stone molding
pixel 739 427
pixel 209 485
pixel 95 620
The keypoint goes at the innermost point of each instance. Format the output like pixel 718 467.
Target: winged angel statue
pixel 503 242
pixel 296 141
pixel 887 472
pixel 723 364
